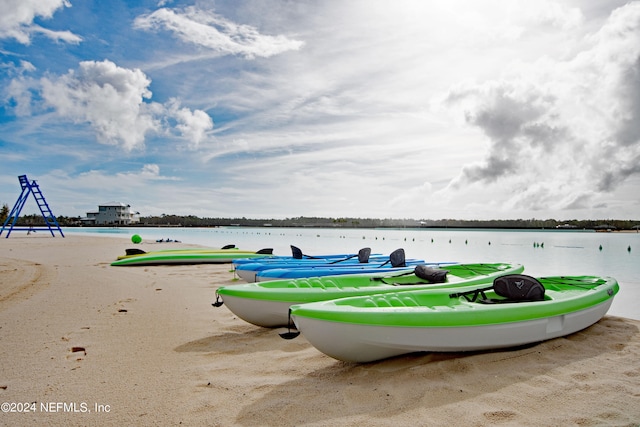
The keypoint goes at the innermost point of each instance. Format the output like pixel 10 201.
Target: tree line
pixel 322 222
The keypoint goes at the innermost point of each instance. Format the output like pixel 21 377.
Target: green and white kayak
pixel 267 303
pixel 374 327
pixel 188 256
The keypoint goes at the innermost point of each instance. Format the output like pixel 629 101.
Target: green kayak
pixel 373 327
pixel 188 256
pixel 267 303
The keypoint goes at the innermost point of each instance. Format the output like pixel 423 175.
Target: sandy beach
pixel 85 343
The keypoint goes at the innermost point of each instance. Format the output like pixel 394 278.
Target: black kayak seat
pixel 511 287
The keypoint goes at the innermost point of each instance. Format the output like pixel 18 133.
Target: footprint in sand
pixel 123 302
pixel 500 415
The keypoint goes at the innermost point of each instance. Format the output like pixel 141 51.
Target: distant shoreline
pixel 360 228
pixel 188 221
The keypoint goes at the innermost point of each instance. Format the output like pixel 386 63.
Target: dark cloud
pixel 581 201
pixel 514 119
pixel 620 154
pixel 618 173
pixel 503 116
pixel 491 170
pixel 568 130
pixel 545 135
pixel 629 131
pixel 624 149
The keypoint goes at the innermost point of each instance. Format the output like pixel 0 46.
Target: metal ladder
pixel 49 219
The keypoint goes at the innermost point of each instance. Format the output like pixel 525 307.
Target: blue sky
pixel 276 109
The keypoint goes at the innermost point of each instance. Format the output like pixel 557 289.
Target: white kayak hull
pixel 268 314
pixel 367 343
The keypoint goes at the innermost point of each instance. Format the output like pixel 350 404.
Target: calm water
pixel 543 253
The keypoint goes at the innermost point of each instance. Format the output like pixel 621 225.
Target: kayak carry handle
pixel 134 251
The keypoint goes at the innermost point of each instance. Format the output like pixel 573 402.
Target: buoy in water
pixel 136 238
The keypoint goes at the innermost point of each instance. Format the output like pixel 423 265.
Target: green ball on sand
pixel 136 238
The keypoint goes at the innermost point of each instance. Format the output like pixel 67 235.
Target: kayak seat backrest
pixel 431 275
pixel 363 255
pixel 512 288
pixel 519 287
pixel 296 252
pixel 398 258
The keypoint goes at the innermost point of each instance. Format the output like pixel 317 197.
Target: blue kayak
pixel 250 271
pixel 297 273
pixel 297 256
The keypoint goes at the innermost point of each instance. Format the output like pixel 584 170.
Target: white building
pixel 112 213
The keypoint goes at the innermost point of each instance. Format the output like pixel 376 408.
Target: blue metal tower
pixel 49 219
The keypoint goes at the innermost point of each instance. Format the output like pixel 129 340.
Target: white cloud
pixel 114 101
pixel 108 97
pixel 550 13
pixel 213 32
pixel 18 91
pixel 150 170
pixel 65 36
pixel 16 20
pixel 192 125
pixel 27 66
